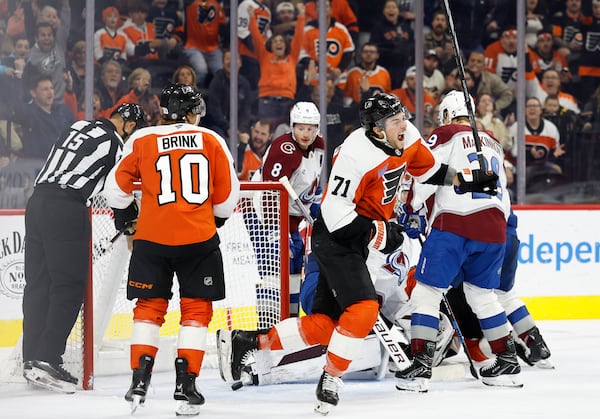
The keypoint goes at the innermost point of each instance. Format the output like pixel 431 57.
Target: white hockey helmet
pixel 453 105
pixel 305 113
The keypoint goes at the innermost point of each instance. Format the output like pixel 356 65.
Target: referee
pixel 58 232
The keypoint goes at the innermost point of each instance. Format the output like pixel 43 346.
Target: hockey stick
pixel 390 338
pixel 461 338
pixel 463 82
pixel 292 193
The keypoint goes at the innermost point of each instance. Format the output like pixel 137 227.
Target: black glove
pixel 485 182
pixel 125 218
pixel 220 221
pixel 385 237
pixel 142 49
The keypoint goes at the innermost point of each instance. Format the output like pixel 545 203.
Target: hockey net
pixel 255 248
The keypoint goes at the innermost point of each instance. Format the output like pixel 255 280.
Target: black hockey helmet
pixel 131 112
pixel 376 109
pixel 178 99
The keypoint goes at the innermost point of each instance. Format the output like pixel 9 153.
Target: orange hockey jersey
pixel 379 79
pixel 203 19
pixel 187 179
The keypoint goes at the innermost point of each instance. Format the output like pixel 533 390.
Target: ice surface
pixel 571 391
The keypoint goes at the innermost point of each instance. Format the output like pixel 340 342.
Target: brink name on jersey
pixel 187 142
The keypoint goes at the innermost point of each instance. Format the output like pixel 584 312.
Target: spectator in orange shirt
pixel 109 43
pixel 367 78
pixel 407 94
pixel 261 135
pixel 278 58
pixel 140 81
pixel 205 29
pixel 340 11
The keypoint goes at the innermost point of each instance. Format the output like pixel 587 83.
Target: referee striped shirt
pixel 82 157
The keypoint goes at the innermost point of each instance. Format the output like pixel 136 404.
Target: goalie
pixel 279 355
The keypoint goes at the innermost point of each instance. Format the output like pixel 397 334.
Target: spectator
pixel 339 58
pixel 218 108
pixel 589 61
pixel 278 59
pixel 109 43
pixel 111 85
pixel 545 56
pixel 550 85
pixel 261 135
pixel 542 144
pixel 284 21
pixel 367 78
pixel 184 74
pixel 407 95
pixel 487 113
pixel 591 113
pixel 42 120
pixel 395 40
pixel 204 32
pixel 76 71
pixel 433 79
pixel 250 67
pixel 340 11
pixel 18 58
pixel 565 27
pixel 439 40
pixel 340 119
pixel 140 82
pixel 428 126
pixel 47 58
pixel 535 21
pixel 142 42
pixel 472 23
pixel 490 83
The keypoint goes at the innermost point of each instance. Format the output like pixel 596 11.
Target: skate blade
pixel 323 408
pixel 224 355
pixel 544 364
pixel 183 408
pixel 502 381
pixel 417 385
pixel 43 380
pixel 136 402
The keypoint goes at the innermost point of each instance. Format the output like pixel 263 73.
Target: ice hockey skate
pixel 416 377
pixel 533 349
pixel 327 393
pixel 236 351
pixel 140 382
pixel 189 399
pixel 503 372
pixel 49 376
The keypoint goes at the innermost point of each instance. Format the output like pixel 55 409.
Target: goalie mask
pixel 178 100
pixel 375 110
pixel 453 105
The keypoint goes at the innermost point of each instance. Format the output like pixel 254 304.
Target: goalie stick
pixel 389 338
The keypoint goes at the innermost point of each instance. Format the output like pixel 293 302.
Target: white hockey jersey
pixel 476 216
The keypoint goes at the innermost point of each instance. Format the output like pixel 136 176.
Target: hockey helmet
pixel 453 105
pixel 376 109
pixel 305 113
pixel 131 112
pixel 177 100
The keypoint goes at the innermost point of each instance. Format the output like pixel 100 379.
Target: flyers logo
pixel 206 14
pixel 391 183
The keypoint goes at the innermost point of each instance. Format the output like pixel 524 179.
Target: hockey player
pixel 298 155
pixel 189 188
pixel 58 232
pixel 467 233
pixel 393 284
pixel 353 220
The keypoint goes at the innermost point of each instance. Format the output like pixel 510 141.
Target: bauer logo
pixel 12 268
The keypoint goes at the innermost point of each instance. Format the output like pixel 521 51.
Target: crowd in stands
pixel 141 45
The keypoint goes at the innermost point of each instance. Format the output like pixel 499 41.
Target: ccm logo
pixel 141 285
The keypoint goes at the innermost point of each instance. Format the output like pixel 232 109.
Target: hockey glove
pixel 125 219
pixel 219 221
pixel 413 223
pixel 485 182
pixel 385 237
